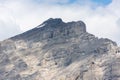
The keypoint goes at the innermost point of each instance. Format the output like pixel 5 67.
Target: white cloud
pixel 8 27
pixel 101 21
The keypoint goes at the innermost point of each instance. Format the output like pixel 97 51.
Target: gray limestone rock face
pixel 56 50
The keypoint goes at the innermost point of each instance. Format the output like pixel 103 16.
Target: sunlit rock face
pixel 56 50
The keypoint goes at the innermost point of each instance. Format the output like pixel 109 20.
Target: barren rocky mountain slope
pixel 56 50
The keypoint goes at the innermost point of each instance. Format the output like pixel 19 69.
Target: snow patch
pixel 42 25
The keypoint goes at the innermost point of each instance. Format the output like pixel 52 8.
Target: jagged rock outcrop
pixel 56 50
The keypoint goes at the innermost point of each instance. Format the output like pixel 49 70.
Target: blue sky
pixel 101 16
pixel 99 2
pixel 103 2
pixel 67 2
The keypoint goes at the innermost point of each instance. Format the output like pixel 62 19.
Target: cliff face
pixel 56 50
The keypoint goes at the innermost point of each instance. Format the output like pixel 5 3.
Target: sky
pixel 100 16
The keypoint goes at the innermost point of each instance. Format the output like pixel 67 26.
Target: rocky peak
pixel 57 22
pixel 51 23
pixel 52 20
pixel 55 27
pixel 58 27
pixel 56 50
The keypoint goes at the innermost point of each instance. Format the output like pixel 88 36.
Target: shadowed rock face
pixel 56 50
pixel 53 28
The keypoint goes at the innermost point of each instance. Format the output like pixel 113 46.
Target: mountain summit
pixel 54 28
pixel 56 50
